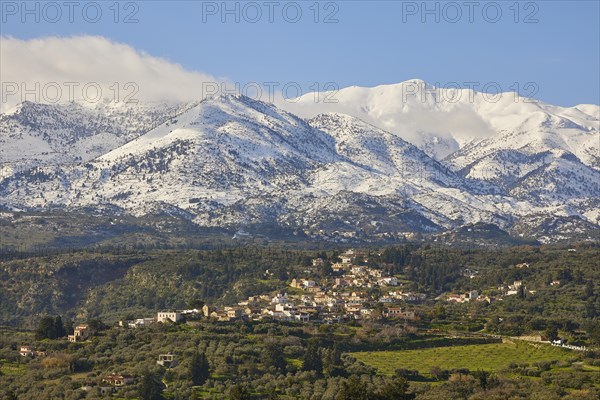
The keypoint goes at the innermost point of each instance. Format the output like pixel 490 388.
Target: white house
pixel 168 316
pixel 346 259
pixel 81 333
pixel 307 283
pixel 302 317
pixel 141 322
pixel 388 281
pixel 26 351
pixel 280 299
pixel 166 360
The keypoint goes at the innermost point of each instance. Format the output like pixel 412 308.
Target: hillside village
pixel 344 294
pixel 374 297
pixel 340 296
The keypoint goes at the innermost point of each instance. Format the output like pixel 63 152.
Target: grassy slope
pixel 486 357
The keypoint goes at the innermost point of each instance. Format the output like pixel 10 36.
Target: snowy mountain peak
pixel 443 121
pixel 373 164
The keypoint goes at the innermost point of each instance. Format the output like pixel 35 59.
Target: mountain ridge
pixel 231 161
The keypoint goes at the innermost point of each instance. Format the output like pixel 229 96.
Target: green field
pixel 489 357
pixel 9 368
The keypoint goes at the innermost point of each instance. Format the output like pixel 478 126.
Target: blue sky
pixel 372 42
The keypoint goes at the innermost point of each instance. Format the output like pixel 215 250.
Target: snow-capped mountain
pixel 510 145
pixel 442 121
pixel 382 154
pixel 234 162
pixel 33 134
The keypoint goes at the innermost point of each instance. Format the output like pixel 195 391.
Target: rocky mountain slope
pixel 236 163
pixel 35 134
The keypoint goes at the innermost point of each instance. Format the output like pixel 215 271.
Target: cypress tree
pixel 199 369
pixel 312 361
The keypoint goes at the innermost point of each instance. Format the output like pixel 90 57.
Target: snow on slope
pixel 388 163
pixel 442 121
pixel 33 134
pixel 231 161
pixel 406 109
pixel 220 150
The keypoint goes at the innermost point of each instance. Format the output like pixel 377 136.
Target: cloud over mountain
pixel 44 69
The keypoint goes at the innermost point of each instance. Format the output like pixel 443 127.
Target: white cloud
pixel 37 69
pixel 408 109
